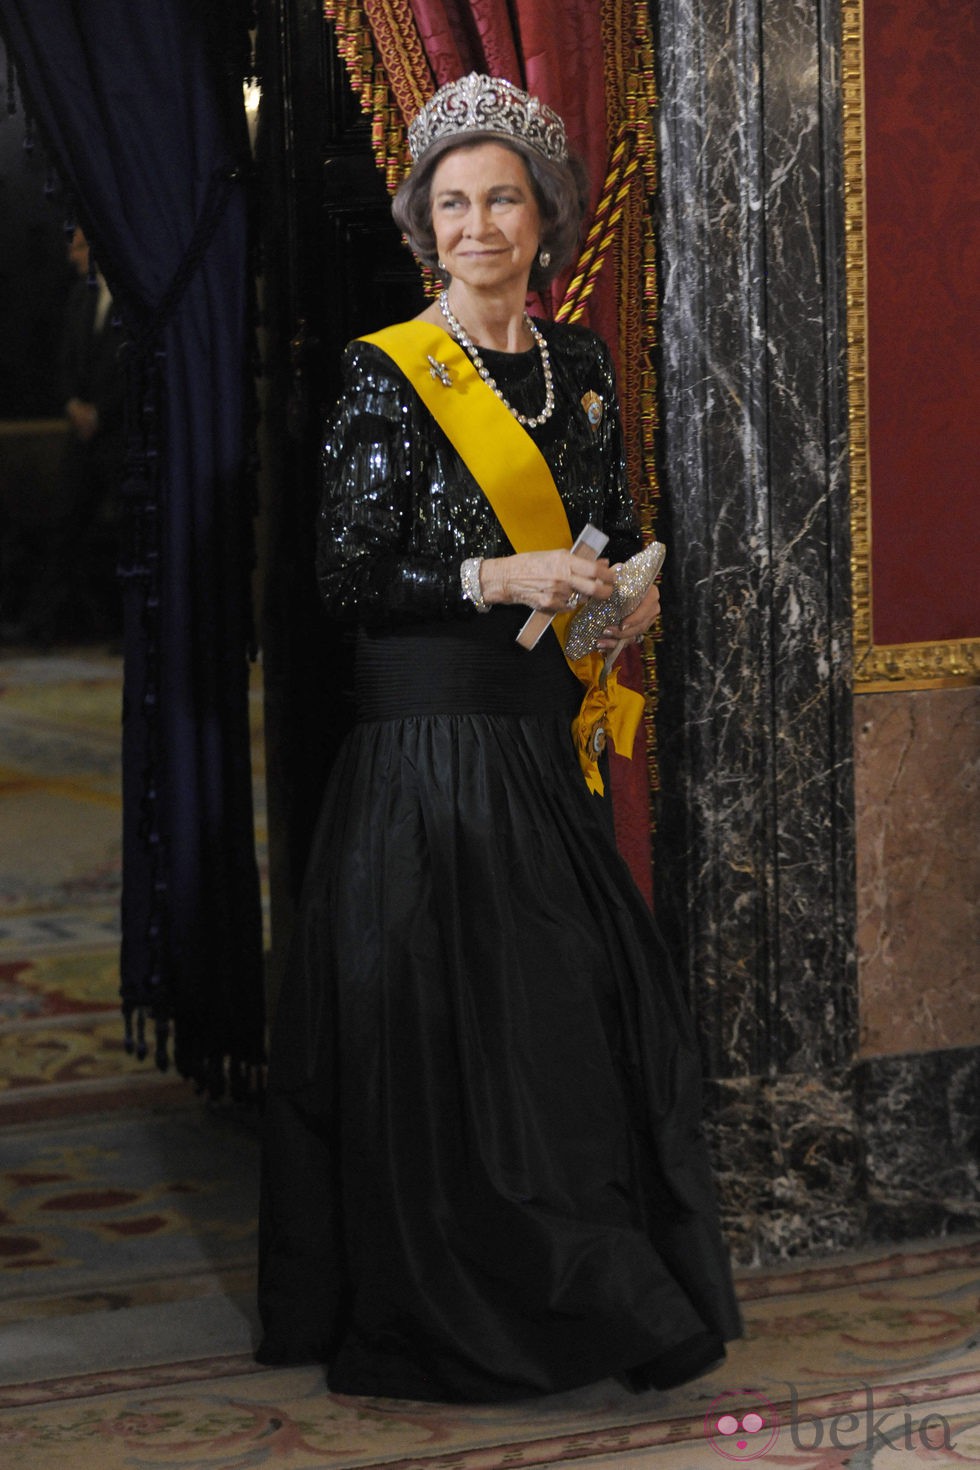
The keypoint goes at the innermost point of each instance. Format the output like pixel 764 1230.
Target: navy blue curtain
pixel 132 105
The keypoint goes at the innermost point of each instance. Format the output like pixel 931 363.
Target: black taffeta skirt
pixel 484 1175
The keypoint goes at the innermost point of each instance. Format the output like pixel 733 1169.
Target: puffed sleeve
pixel 375 562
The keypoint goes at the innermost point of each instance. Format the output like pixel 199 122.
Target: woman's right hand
pixel 546 580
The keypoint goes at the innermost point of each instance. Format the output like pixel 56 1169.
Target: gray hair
pixel 561 191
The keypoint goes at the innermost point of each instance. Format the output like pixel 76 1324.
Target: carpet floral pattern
pixel 94 1207
pixel 128 1217
pixel 60 881
pixel 873 1366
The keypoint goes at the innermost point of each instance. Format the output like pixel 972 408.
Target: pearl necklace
pixel 481 367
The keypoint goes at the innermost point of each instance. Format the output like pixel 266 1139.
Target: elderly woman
pixel 484 1175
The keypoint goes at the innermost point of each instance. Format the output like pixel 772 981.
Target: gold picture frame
pixel 898 665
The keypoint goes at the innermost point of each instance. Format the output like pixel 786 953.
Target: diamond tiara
pixel 479 104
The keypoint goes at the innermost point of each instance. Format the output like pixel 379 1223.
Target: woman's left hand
pixel 634 625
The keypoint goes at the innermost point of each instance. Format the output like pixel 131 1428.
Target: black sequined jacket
pixel 400 511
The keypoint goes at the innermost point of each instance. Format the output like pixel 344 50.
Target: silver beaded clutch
pixel 633 581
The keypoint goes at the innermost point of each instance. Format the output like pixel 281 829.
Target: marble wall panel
pixel 754 860
pixel 920 1143
pixel 808 493
pixel 788 1161
pixel 886 1149
pixel 917 782
pixel 716 818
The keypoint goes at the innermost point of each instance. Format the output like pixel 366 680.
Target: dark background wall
pixel 35 281
pixel 35 277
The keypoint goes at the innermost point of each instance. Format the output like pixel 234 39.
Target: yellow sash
pixel 514 476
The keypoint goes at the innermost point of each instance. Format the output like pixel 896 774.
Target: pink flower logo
pixel 741 1425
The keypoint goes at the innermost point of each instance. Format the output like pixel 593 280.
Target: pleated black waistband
pixel 471 667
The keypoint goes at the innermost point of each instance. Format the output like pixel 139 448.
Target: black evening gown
pixel 484 1175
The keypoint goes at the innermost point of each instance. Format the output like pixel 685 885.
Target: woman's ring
pixel 574 600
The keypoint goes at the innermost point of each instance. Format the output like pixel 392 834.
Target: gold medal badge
pixel 593 406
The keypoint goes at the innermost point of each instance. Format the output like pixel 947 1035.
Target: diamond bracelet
pixel 469 576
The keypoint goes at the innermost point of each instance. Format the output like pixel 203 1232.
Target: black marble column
pixel 755 720
pixel 816 1148
pixel 754 860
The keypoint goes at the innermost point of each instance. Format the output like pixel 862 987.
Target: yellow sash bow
pixel 514 476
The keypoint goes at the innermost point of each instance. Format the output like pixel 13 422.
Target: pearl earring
pixel 544 259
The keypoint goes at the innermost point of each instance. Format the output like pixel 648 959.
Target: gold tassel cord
pixel 369 78
pixel 580 289
pixel 597 242
pixel 616 163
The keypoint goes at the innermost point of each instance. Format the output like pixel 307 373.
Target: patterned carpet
pixel 127 1221
pixel 60 849
pixel 116 1210
pixel 60 825
pixel 872 1366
